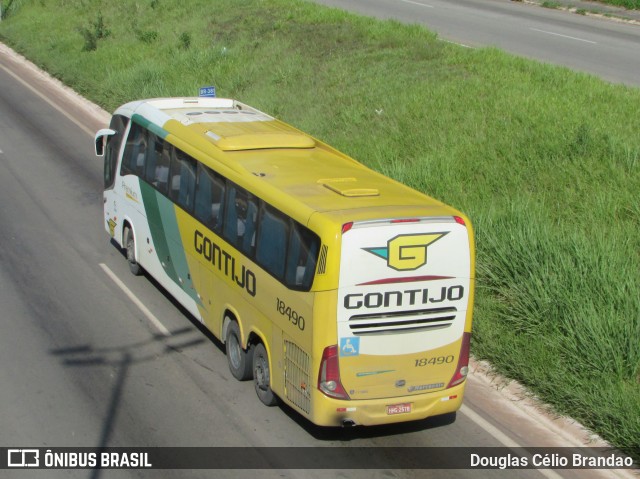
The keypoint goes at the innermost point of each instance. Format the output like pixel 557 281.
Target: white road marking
pixel 418 3
pixel 563 36
pixel 44 97
pixel 502 437
pixel 152 319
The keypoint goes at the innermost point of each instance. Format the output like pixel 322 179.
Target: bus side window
pixel 302 256
pixel 134 151
pixel 161 174
pixel 250 221
pixel 209 205
pixel 240 218
pixel 271 246
pixel 183 179
pixel 154 151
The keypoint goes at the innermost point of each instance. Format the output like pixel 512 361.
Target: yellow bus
pixel 338 291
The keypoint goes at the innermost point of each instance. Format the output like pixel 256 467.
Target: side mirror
pixel 100 136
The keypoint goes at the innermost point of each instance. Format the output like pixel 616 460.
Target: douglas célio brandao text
pixel 569 460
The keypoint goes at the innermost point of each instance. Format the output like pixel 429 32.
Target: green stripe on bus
pixel 150 199
pixel 176 248
pixel 140 120
pixel 161 216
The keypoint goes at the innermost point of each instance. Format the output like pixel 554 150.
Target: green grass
pixel 629 4
pixel 596 9
pixel 545 161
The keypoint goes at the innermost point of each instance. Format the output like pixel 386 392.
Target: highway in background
pixel 603 47
pixel 82 365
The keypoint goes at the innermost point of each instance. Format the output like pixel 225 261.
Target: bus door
pixel 108 143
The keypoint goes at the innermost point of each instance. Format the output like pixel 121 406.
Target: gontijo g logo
pixel 406 252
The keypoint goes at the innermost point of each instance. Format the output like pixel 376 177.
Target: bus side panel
pixel 160 250
pixel 228 281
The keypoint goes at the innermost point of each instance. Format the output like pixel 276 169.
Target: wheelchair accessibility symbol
pixel 349 346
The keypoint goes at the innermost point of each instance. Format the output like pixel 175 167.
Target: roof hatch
pixel 348 187
pixel 261 140
pixel 233 129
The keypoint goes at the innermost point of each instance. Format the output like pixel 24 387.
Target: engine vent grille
pixel 402 321
pixel 296 376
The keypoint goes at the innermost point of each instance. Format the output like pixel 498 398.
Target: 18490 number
pixel 293 316
pixel 434 361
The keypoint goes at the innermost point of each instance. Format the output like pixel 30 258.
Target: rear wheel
pixel 262 376
pixel 240 361
pixel 130 246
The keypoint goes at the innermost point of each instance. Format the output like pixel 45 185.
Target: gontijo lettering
pixel 244 277
pixel 407 297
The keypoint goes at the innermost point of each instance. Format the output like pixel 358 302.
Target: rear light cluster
pixel 329 376
pixel 346 227
pixel 406 220
pixel 463 362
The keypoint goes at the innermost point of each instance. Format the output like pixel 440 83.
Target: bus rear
pixel 404 308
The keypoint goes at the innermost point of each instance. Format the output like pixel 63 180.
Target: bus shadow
pixel 121 359
pixel 346 434
pixel 201 327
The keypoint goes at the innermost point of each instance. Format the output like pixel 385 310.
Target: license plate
pixel 399 408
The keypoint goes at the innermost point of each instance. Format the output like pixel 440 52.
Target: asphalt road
pixel 603 47
pixel 82 365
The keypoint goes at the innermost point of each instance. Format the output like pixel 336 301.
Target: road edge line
pixel 148 314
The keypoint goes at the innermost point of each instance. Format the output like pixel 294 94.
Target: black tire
pixel 262 376
pixel 130 248
pixel 240 361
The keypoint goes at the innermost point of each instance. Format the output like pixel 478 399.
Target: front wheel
pixel 130 246
pixel 262 376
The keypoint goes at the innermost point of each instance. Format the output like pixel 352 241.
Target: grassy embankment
pixel 545 161
pixel 630 4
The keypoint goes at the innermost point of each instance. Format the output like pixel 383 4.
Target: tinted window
pixel 273 234
pixel 209 206
pixel 161 172
pixel 182 179
pixel 155 145
pixel 301 257
pixel 240 219
pixel 135 151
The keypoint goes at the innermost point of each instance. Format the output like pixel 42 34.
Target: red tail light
pixel 329 375
pixel 406 220
pixel 463 362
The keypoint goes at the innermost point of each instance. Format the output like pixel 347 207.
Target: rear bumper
pixel 333 412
